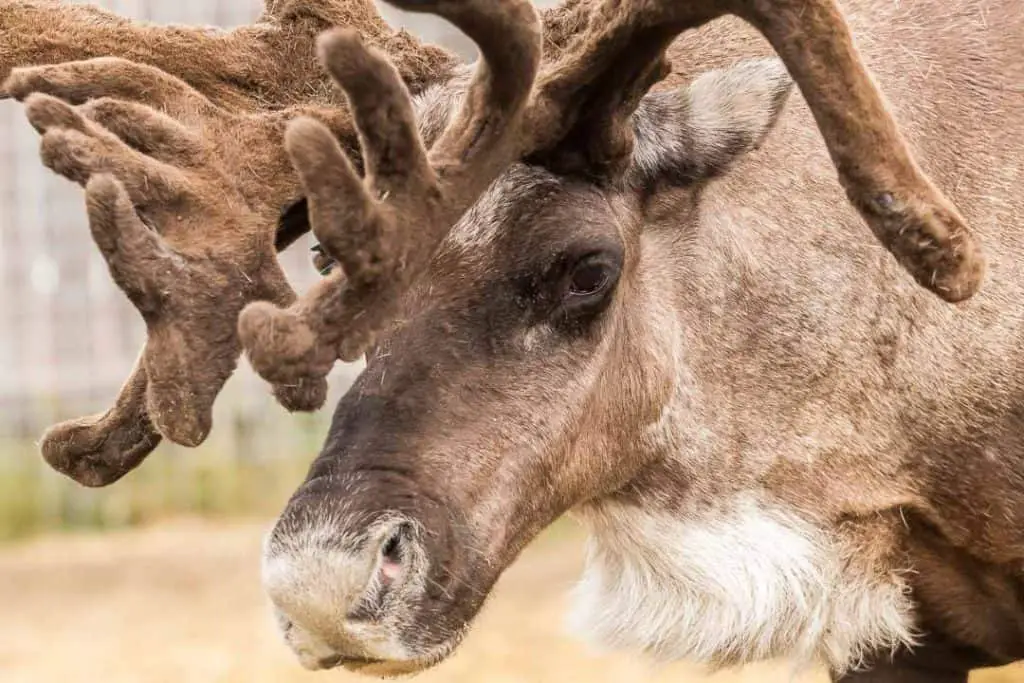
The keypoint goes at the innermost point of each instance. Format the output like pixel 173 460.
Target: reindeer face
pixel 483 414
pixel 530 369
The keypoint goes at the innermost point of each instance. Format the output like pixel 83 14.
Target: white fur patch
pixel 731 586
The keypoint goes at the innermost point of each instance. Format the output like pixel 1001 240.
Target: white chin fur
pixel 737 584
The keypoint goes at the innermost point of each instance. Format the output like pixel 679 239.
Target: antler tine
pixel 139 261
pixel 905 210
pixel 584 99
pixel 385 228
pixel 99 450
pixel 483 137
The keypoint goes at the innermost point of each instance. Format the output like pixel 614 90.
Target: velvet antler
pixel 580 118
pixel 268 65
pixel 100 449
pixel 385 228
pixel 183 185
pixel 208 172
pixel 151 215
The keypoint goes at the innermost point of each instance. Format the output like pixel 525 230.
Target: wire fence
pixel 69 337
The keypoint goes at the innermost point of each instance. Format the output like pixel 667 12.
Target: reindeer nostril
pixel 330 662
pixel 393 555
pixel 341 660
pixel 392 550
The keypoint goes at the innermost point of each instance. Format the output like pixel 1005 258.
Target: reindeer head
pixel 497 270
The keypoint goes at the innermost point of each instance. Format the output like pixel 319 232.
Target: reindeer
pixel 582 283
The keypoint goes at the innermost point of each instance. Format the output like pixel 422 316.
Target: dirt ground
pixel 181 603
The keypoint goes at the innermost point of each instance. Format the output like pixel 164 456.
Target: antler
pixel 213 249
pixel 211 180
pixel 268 65
pixel 384 229
pixel 188 282
pixel 580 118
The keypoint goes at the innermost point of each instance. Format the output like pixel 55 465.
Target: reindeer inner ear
pixel 694 133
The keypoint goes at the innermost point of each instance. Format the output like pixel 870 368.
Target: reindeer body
pixel 831 414
pixel 782 444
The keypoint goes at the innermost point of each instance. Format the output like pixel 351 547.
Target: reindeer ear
pixel 690 134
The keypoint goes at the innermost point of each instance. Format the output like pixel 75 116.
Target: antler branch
pixel 385 228
pixel 211 252
pixel 907 213
pixel 580 118
pixel 188 287
pixel 186 177
pixel 268 64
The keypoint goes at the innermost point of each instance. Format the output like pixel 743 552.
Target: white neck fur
pixel 743 582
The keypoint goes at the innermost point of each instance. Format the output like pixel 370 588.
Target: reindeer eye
pixel 581 286
pixel 321 261
pixel 589 277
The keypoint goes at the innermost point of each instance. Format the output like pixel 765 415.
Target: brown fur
pixel 749 343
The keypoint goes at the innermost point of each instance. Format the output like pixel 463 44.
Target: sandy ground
pixel 182 604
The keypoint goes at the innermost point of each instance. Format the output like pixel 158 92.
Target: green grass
pixel 238 475
pixel 223 479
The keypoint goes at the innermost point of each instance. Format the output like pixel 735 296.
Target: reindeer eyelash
pixel 323 263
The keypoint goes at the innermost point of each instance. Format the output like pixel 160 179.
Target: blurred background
pixel 157 577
